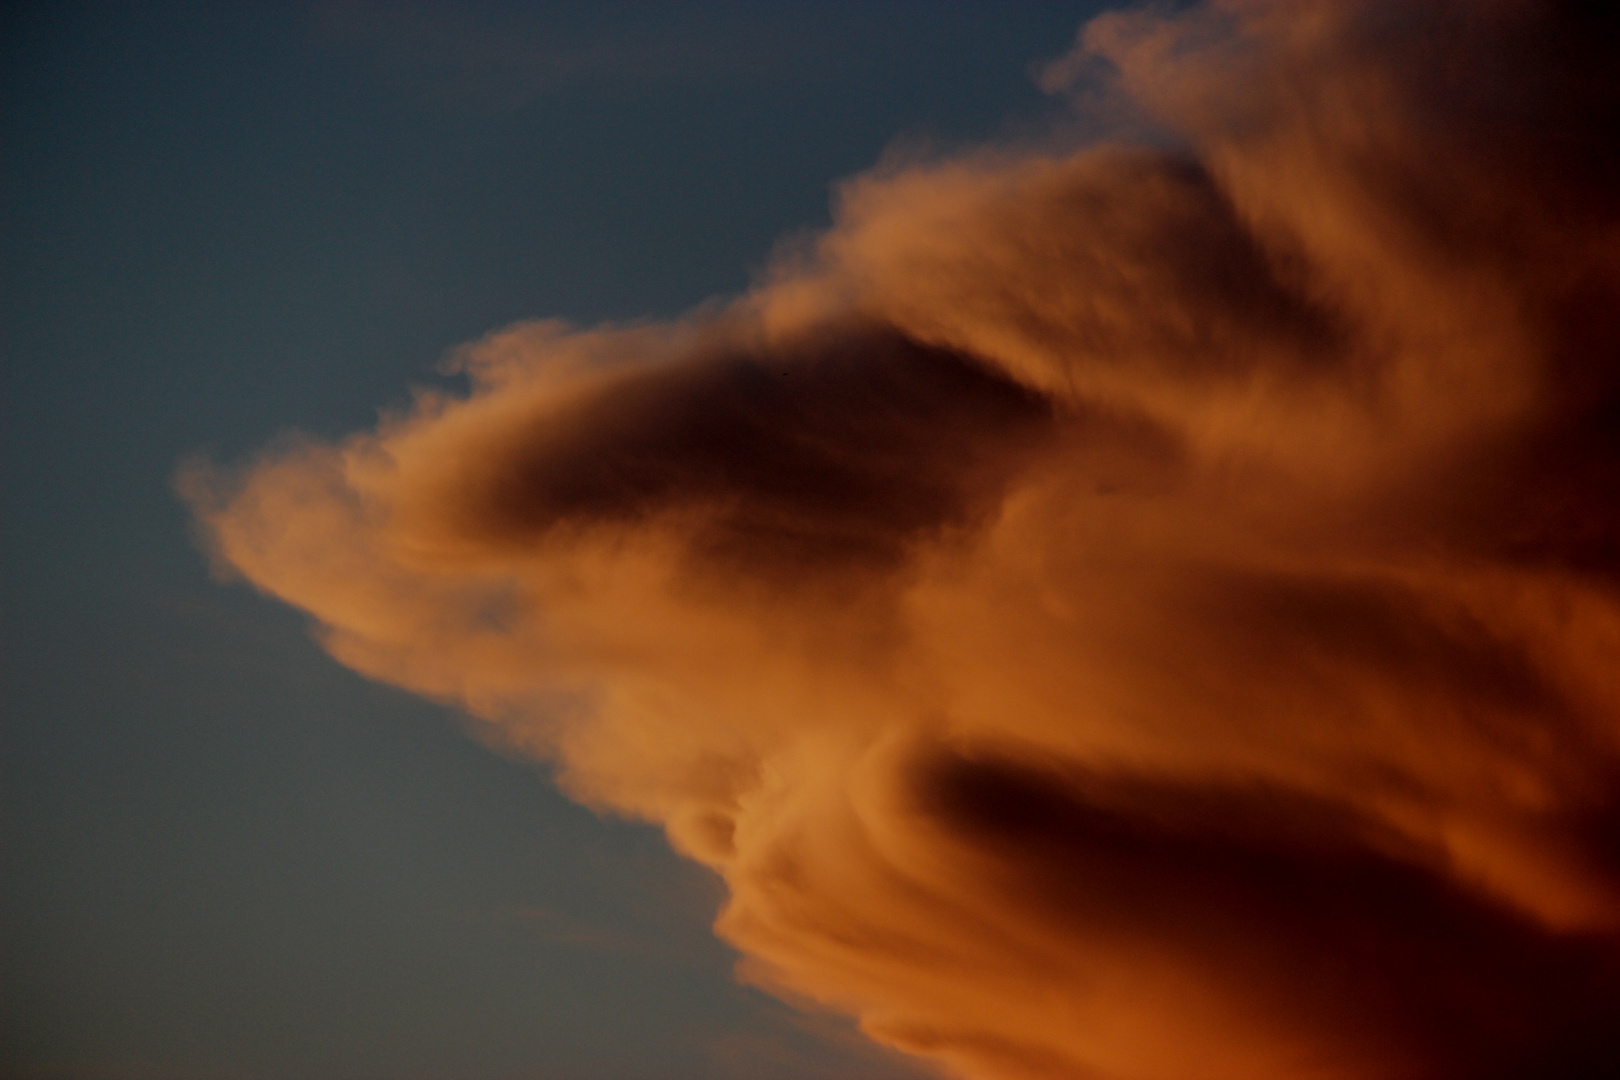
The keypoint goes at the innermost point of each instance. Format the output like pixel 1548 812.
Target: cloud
pixel 1139 612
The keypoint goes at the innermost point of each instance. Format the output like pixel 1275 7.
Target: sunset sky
pixel 811 541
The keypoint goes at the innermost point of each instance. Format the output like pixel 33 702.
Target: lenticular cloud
pixel 1150 611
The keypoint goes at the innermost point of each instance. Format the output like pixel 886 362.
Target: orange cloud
pixel 1140 612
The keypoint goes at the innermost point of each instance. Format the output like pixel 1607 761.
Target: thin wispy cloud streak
pixel 1144 611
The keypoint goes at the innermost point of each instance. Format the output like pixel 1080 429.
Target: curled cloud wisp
pixel 1129 612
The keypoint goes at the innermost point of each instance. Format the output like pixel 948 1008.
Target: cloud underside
pixel 1149 611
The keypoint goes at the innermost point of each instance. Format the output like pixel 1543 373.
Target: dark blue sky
pixel 225 856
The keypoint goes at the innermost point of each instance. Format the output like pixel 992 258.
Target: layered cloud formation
pixel 1150 611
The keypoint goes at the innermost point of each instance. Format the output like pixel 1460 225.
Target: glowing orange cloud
pixel 1149 612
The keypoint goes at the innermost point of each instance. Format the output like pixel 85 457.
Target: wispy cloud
pixel 1136 612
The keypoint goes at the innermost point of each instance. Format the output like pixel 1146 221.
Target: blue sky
pixel 225 856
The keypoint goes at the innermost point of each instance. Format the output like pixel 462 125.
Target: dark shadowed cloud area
pixel 225 856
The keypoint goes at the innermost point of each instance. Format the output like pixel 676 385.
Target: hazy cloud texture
pixel 1145 612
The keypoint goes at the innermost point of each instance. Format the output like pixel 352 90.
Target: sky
pixel 225 855
pixel 1072 555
